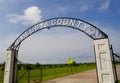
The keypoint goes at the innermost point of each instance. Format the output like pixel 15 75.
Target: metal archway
pixel 83 26
pixel 101 44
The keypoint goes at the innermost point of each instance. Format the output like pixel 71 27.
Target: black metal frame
pixel 113 57
pixel 89 29
pixel 26 71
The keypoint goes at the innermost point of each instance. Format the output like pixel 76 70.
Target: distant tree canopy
pixel 2 66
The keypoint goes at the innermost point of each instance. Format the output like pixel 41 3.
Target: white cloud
pixel 30 15
pixel 14 18
pixel 104 6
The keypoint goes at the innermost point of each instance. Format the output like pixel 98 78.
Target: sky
pixel 59 43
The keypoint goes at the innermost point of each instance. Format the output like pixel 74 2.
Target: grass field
pixel 50 73
pixel 1 76
pixel 118 81
pixel 46 73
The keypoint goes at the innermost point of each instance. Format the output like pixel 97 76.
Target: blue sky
pixel 56 45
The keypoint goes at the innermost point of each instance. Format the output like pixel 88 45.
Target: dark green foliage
pixel 37 65
pixel 2 68
pixel 19 67
pixel 29 66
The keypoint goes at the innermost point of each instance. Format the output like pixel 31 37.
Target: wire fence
pixel 47 72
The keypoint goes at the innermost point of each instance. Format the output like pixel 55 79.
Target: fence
pixel 44 73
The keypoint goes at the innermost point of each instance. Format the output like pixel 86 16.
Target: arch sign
pixel 105 70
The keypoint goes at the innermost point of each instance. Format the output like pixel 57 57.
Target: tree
pixel 19 66
pixel 28 66
pixel 74 63
pixel 37 65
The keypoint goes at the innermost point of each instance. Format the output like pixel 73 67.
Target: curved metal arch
pixel 81 25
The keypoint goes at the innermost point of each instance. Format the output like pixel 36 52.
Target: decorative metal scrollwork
pixel 87 28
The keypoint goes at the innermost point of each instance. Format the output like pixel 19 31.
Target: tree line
pixel 27 66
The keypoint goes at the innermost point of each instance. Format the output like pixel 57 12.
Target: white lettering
pixel 86 27
pixel 59 22
pixel 39 26
pixel 18 41
pixel 43 24
pixel 36 27
pixel 53 22
pixel 28 32
pixel 65 21
pixel 79 24
pixel 23 36
pixel 72 22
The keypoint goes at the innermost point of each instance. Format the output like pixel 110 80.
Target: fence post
pixel 41 74
pixel 55 72
pixel 28 75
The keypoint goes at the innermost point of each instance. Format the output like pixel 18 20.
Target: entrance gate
pixel 105 69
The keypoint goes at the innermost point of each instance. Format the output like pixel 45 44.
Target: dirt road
pixel 84 77
pixel 118 71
